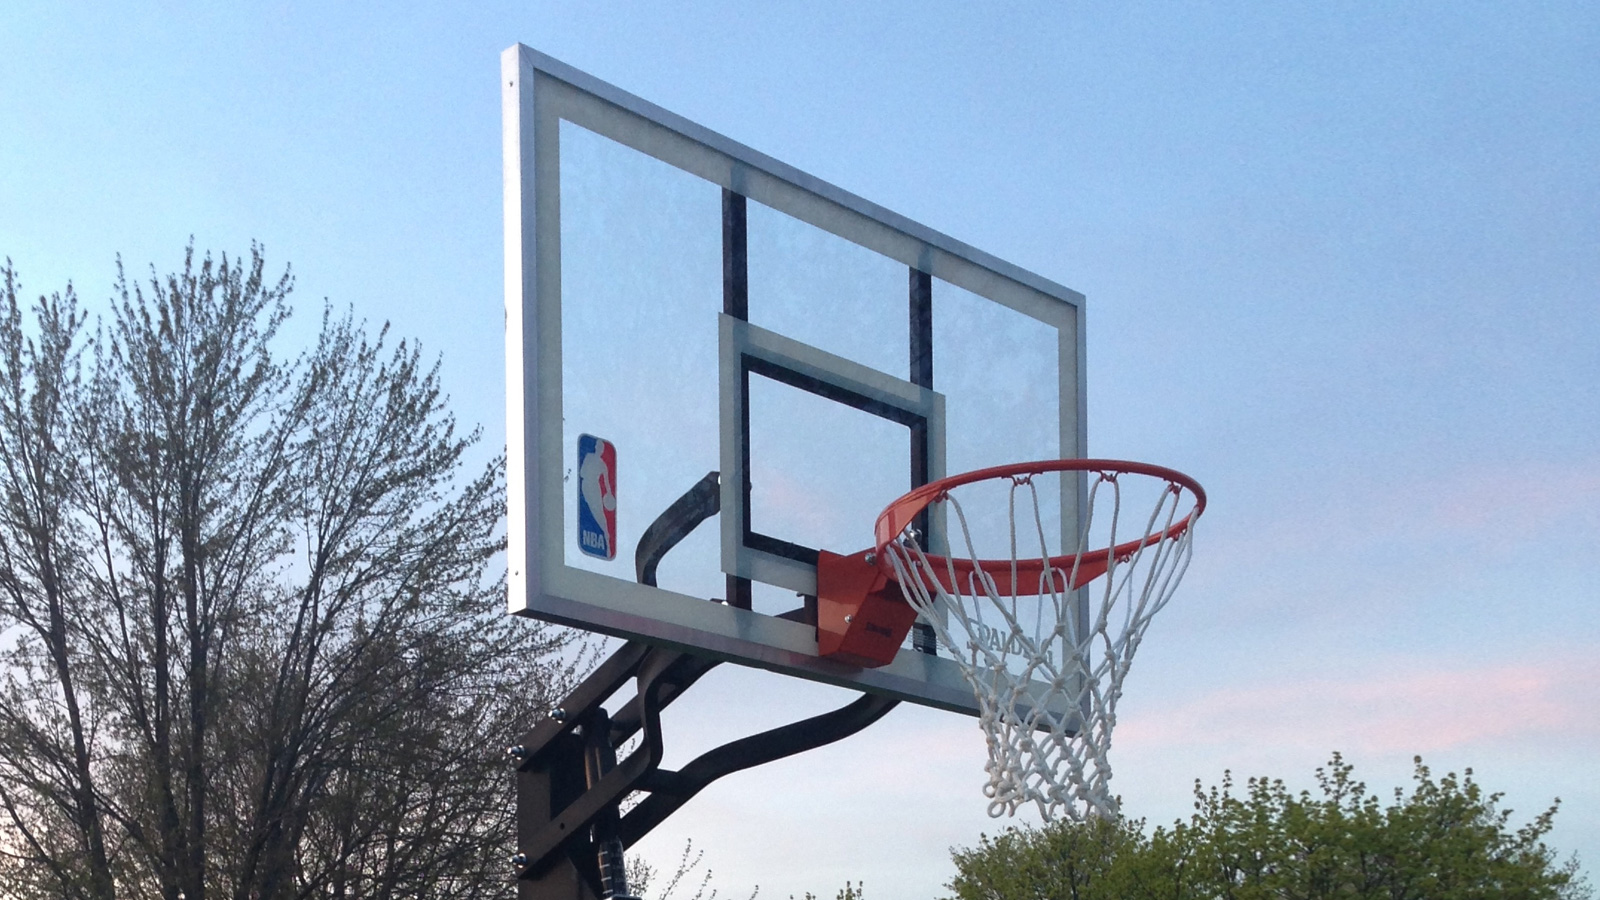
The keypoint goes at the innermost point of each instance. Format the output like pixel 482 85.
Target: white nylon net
pixel 1048 668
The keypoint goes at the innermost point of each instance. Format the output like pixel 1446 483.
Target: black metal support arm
pixel 570 783
pixel 670 790
pixel 697 504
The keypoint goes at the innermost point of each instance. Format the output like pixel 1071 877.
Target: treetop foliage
pixel 1444 840
pixel 252 638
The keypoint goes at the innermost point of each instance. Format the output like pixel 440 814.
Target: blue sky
pixel 1342 266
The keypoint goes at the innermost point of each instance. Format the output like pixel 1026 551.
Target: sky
pixel 1342 265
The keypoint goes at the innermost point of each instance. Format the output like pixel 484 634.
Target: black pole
pixel 736 303
pixel 923 638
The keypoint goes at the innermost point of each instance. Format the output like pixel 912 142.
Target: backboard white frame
pixel 538 93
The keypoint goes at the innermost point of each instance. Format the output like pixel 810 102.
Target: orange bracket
pixel 861 618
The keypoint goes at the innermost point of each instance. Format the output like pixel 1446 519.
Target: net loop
pixel 1045 641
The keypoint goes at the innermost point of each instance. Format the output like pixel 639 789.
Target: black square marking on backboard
pixel 755 365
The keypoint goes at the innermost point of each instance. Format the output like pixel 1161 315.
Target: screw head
pixel 871 559
pixel 849 619
pixel 517 751
pixel 520 860
pixel 559 714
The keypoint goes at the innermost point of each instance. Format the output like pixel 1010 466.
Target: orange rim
pixel 1025 576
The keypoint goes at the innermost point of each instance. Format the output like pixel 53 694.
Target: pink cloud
pixel 1479 506
pixel 1387 712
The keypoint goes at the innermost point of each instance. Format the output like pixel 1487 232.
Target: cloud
pixel 1443 550
pixel 1378 711
pixel 1476 506
pixel 1499 506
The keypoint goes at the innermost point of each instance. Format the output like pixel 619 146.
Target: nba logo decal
pixel 597 497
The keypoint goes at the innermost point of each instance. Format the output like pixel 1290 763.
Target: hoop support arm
pixel 569 783
pixel 670 790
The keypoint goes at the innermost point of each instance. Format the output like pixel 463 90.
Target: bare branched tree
pixel 251 641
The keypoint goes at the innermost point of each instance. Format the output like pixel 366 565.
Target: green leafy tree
pixel 1063 860
pixel 251 643
pixel 1445 840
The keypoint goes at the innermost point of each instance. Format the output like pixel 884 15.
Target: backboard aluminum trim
pixel 538 93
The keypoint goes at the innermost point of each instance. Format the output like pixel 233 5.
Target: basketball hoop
pixel 1044 639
